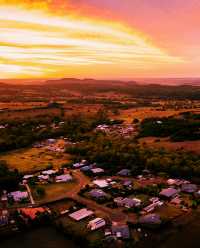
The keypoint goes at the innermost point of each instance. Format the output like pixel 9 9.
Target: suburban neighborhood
pixel 115 207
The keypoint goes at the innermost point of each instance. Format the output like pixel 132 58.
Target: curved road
pixel 112 214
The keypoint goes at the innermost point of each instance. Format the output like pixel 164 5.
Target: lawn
pixel 53 191
pixel 34 159
pixel 62 205
pixel 80 228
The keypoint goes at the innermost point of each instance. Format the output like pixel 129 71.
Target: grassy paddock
pixel 53 191
pixel 34 159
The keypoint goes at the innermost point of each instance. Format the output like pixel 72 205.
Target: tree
pixel 40 192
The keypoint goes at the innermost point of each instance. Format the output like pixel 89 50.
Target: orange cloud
pixel 38 42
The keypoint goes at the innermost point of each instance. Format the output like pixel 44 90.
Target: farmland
pixel 148 112
pixel 191 146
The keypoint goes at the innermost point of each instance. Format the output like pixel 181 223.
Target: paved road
pixel 113 214
pixel 30 194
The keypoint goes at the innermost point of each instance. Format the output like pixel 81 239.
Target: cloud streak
pixel 39 43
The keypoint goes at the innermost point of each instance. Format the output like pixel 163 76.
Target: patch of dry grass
pixel 193 146
pixel 34 159
pixel 147 112
pixel 53 191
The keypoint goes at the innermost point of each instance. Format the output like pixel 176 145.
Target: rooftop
pixel 81 214
pixel 101 183
pixel 97 170
pixel 32 212
pixel 121 231
pixel 124 172
pixel 98 193
pixel 189 188
pixel 169 192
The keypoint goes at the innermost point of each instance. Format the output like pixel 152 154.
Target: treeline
pixel 178 129
pixel 9 179
pixel 109 103
pixel 19 134
pixel 114 154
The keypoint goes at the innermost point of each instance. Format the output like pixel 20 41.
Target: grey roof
pixel 123 230
pixel 169 192
pixel 124 172
pixel 86 168
pixel 127 183
pixel 98 193
pixel 150 219
pixel 129 202
pixel 189 188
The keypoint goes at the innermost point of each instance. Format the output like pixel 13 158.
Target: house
pixel 96 224
pixel 177 182
pixel 43 177
pixel 169 193
pixel 189 188
pixel 79 165
pixel 18 195
pixel 81 214
pixel 153 206
pixel 97 170
pixel 171 181
pixel 119 201
pixel 98 194
pixel 127 183
pixel 101 183
pixel 154 199
pixel 51 141
pixel 86 168
pixel 102 127
pixel 63 178
pixel 124 173
pixel 127 202
pixel 26 177
pixel 32 212
pixel 150 219
pixel 49 172
pixel 120 231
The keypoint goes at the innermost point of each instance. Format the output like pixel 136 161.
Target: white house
pixel 63 178
pixel 49 172
pixel 96 224
pixel 101 183
pixel 81 214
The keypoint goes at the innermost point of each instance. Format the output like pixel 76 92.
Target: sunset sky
pixel 99 38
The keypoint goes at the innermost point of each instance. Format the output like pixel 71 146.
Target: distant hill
pixel 170 81
pixel 62 88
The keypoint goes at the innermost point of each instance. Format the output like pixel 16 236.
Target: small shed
pixel 124 173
